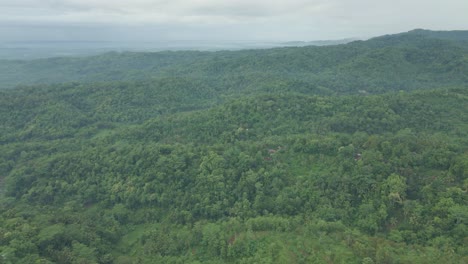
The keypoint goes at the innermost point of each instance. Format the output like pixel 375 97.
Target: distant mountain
pixel 404 61
pixel 318 42
pixel 422 35
pixel 50 49
pixel 448 35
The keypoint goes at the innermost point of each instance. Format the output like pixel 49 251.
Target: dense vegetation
pixel 408 61
pixel 225 161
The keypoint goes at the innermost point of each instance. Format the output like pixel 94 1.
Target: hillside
pixel 456 35
pixel 293 155
pixel 397 62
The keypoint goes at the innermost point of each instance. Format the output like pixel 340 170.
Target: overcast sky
pixel 220 20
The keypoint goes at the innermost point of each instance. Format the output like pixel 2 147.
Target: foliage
pixel 409 61
pixel 181 170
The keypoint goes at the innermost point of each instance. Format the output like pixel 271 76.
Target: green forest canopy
pixel 414 60
pixel 354 153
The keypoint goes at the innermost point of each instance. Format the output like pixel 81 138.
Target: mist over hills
pixel 396 62
pixel 51 49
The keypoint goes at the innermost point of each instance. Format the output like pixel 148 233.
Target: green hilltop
pixel 408 61
pixel 353 153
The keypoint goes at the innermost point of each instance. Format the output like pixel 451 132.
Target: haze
pixel 212 20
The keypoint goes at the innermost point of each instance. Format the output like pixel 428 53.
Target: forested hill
pixel 278 178
pixel 353 153
pixel 413 60
pixel 456 35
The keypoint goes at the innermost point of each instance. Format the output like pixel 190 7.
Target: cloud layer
pixel 227 19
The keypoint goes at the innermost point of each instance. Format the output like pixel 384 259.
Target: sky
pixel 222 20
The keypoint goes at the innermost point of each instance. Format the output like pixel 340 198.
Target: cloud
pixel 230 19
pixel 161 11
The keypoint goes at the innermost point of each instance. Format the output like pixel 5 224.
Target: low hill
pixel 396 62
